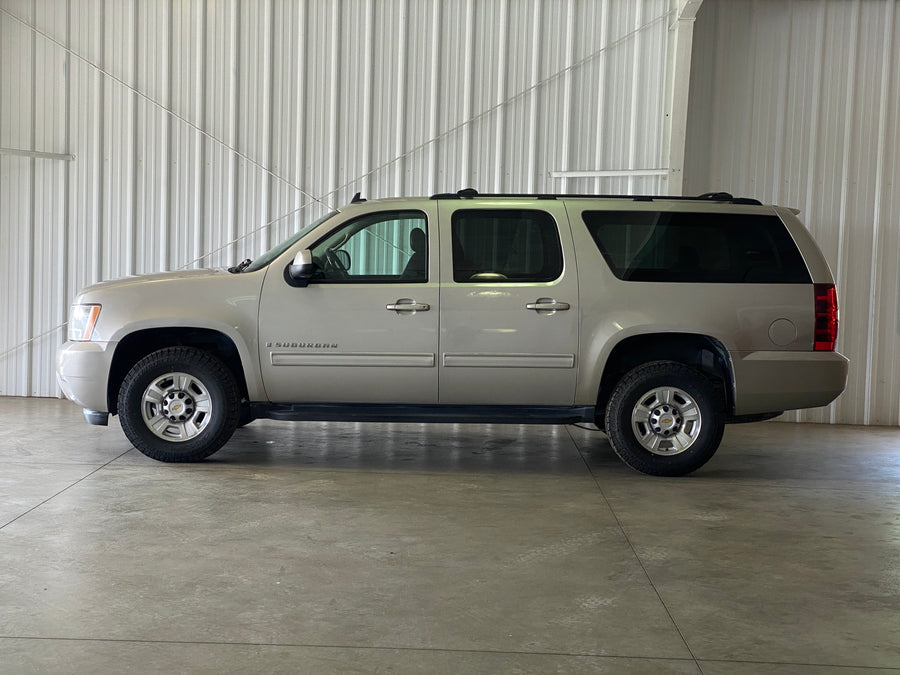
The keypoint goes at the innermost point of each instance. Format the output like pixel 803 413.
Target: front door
pixel 365 329
pixel 509 306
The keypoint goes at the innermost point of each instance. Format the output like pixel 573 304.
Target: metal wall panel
pixel 17 176
pixel 206 131
pixel 798 103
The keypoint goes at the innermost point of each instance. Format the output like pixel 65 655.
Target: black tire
pixel 664 419
pixel 179 404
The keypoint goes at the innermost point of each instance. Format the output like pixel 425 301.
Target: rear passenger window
pixel 697 247
pixel 500 246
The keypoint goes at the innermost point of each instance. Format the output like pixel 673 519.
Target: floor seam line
pixel 633 551
pixel 65 489
pixel 450 650
pixel 303 645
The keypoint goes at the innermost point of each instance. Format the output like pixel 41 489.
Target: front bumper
pixel 82 371
pixel 774 381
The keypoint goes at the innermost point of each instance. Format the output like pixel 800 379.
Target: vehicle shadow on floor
pixel 404 447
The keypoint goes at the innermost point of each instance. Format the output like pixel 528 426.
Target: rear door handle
pixel 547 305
pixel 407 305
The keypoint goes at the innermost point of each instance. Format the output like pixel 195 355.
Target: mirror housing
pixel 301 270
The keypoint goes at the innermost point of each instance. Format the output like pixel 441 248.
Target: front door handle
pixel 407 305
pixel 547 305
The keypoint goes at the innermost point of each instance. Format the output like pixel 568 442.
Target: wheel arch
pixel 701 352
pixel 136 345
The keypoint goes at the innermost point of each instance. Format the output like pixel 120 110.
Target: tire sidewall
pixel 215 377
pixel 637 383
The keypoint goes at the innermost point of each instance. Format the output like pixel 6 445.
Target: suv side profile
pixel 660 319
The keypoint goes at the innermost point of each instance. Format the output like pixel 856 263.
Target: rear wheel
pixel 179 404
pixel 664 419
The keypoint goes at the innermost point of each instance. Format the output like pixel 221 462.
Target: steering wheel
pixel 336 264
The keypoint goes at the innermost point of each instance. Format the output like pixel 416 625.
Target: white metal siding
pixel 798 103
pixel 205 132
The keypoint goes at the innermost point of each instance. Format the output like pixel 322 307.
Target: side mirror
pixel 301 270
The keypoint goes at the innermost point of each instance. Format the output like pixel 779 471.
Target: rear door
pixel 509 305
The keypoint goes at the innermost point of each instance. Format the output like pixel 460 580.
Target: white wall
pixel 204 132
pixel 798 103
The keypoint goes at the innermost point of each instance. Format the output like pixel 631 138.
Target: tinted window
pixel 491 246
pixel 377 248
pixel 696 247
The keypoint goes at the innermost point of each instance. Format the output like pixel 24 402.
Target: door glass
pixel 491 246
pixel 387 247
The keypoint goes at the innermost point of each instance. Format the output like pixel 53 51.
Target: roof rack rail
pixel 465 193
pixel 471 193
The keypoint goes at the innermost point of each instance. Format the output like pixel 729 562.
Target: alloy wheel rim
pixel 176 407
pixel 666 421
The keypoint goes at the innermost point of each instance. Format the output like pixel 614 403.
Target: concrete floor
pixel 336 548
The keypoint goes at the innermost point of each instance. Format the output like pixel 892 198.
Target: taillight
pixel 826 317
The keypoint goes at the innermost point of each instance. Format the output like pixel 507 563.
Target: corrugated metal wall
pixel 205 131
pixel 798 103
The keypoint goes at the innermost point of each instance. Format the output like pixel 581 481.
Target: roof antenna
pixel 357 198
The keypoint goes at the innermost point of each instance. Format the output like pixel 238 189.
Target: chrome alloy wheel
pixel 176 407
pixel 666 421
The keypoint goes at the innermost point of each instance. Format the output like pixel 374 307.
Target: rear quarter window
pixel 685 247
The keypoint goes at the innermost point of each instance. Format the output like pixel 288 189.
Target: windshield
pixel 273 253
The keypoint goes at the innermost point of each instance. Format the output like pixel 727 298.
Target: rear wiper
pixel 240 267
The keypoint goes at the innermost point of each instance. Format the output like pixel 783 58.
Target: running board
pixel 462 414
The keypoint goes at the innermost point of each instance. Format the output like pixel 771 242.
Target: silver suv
pixel 657 318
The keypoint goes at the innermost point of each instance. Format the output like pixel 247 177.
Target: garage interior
pixel 138 137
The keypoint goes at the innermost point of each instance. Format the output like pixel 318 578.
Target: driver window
pixel 386 247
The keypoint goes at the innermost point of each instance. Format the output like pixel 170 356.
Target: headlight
pixel 82 320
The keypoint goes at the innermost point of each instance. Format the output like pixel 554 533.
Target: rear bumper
pixel 82 371
pixel 774 381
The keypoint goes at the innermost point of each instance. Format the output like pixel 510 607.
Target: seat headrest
pixel 417 240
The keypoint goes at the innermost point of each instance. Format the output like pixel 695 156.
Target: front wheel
pixel 664 419
pixel 179 404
